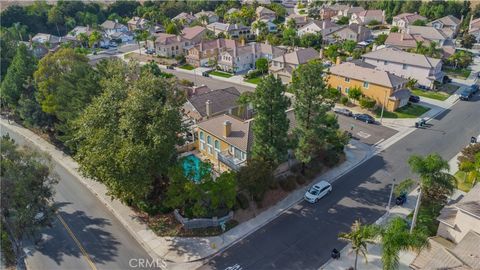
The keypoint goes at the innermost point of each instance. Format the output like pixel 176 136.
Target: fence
pixel 195 223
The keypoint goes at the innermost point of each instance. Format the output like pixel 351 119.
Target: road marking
pixel 363 134
pixel 87 258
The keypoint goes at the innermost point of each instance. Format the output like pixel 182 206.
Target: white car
pixel 318 191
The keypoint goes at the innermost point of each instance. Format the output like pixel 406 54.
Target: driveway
pixel 367 133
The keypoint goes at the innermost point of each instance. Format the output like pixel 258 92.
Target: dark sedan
pixel 364 117
pixel 414 99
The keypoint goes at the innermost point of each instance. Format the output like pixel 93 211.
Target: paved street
pixel 303 237
pixel 106 243
pixel 366 133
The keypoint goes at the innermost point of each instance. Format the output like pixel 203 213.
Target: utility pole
pixel 391 194
pixel 415 213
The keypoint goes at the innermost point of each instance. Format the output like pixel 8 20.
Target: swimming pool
pixel 191 167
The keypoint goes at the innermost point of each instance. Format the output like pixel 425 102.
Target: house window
pixel 347 79
pixel 209 140
pixel 202 146
pixel 347 90
pixel 202 136
pixel 217 145
pixel 365 84
pixel 339 88
pixel 404 66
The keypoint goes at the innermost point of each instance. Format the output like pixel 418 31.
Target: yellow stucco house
pixel 385 88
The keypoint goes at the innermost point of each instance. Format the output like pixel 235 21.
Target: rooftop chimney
pixel 227 128
pixel 208 108
pixel 339 60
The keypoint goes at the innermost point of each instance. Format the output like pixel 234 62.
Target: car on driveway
pixel 364 117
pixel 343 111
pixel 474 88
pixel 466 94
pixel 317 191
pixel 414 99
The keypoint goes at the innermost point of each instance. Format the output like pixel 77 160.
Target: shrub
pixel 180 58
pixel 273 185
pixel 7 249
pixel 300 179
pixel 242 201
pixel 344 100
pixel 288 184
pixel 186 82
pixel 331 159
pixel 367 103
pixel 253 74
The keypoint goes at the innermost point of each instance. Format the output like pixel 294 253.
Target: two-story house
pixel 403 20
pixel 225 141
pixel 327 12
pixel 263 13
pixel 234 31
pixel 137 23
pixel 193 35
pixel 365 17
pixel 354 32
pixel 207 17
pixel 271 27
pixel 324 27
pixel 347 11
pixel 201 106
pixel 283 66
pixel 166 45
pixel 428 32
pixel 110 27
pixel 474 28
pixel 448 24
pixel 385 88
pixel 206 53
pixel 184 18
pixel 424 69
pixel 300 20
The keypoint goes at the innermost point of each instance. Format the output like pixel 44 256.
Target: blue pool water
pixel 191 167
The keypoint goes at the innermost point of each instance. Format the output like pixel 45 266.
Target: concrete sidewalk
pixel 181 250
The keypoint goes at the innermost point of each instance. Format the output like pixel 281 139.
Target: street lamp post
pixel 391 195
pixel 415 213
pixel 383 107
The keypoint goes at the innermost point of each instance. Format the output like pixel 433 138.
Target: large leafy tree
pixel 435 181
pixel 313 101
pixel 255 178
pixel 359 237
pixel 66 84
pixel 311 40
pixel 270 126
pixel 26 192
pixel 127 137
pixel 395 238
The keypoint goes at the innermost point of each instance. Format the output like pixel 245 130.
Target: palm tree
pixel 262 28
pixel 359 237
pixel 419 48
pixel 204 19
pixel 83 38
pixel 94 38
pixel 432 49
pixel 141 35
pixel 19 29
pixel 395 238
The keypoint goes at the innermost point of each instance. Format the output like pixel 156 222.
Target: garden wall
pixel 195 223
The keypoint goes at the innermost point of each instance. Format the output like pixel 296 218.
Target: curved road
pixel 85 234
pixel 302 237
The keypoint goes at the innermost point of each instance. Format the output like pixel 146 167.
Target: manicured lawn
pixel 221 74
pixel 187 67
pixel 255 80
pixel 431 94
pixel 408 111
pixel 462 73
pixel 463 182
pixel 427 217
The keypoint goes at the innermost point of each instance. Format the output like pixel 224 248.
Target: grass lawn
pixel 187 67
pixel 221 74
pixel 427 217
pixel 463 183
pixel 255 80
pixel 408 111
pixel 462 73
pixel 431 94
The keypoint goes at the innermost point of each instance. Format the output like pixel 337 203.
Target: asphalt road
pixel 86 235
pixel 366 133
pixel 302 237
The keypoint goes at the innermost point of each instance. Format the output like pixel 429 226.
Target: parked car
pixel 364 117
pixel 466 94
pixel 205 74
pixel 414 99
pixel 421 123
pixel 113 45
pixel 343 111
pixel 474 88
pixel 150 51
pixel 447 79
pixel 400 200
pixel 318 191
pixel 170 67
pixel 104 46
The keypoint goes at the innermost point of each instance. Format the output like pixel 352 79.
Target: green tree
pixel 394 29
pixel 313 101
pixel 380 39
pixel 343 20
pixel 127 136
pixel 290 37
pixel 436 183
pixel 367 103
pixel 355 93
pixel 467 41
pixel 262 29
pixel 469 162
pixel 94 38
pixel 348 46
pixel 66 84
pixel 411 83
pixel 22 67
pixel 27 192
pixel 55 17
pixel 396 238
pixel 311 40
pixel 83 38
pixel 172 28
pixel 261 64
pixel 141 35
pixel 359 237
pixel 255 178
pixel 419 23
pixel 271 124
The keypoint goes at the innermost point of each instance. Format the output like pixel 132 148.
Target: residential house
pixel 385 88
pixel 264 13
pixel 137 23
pixel 425 70
pixel 121 37
pixel 232 10
pixel 346 11
pixel 193 35
pixel 48 40
pixel 242 58
pixel 201 106
pixel 258 2
pixel 75 32
pixel 365 17
pixel 458 237
pixel 210 17
pixel 448 24
pixel 110 27
pixel 474 28
pixel 185 18
pixel 225 141
pixel 206 52
pixel 300 20
pixel 354 32
pixel 403 20
pixel 324 27
pixel 327 12
pixel 283 66
pixel 405 41
pixel 230 30
pixel 428 32
pixel 271 27
pixel 166 45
